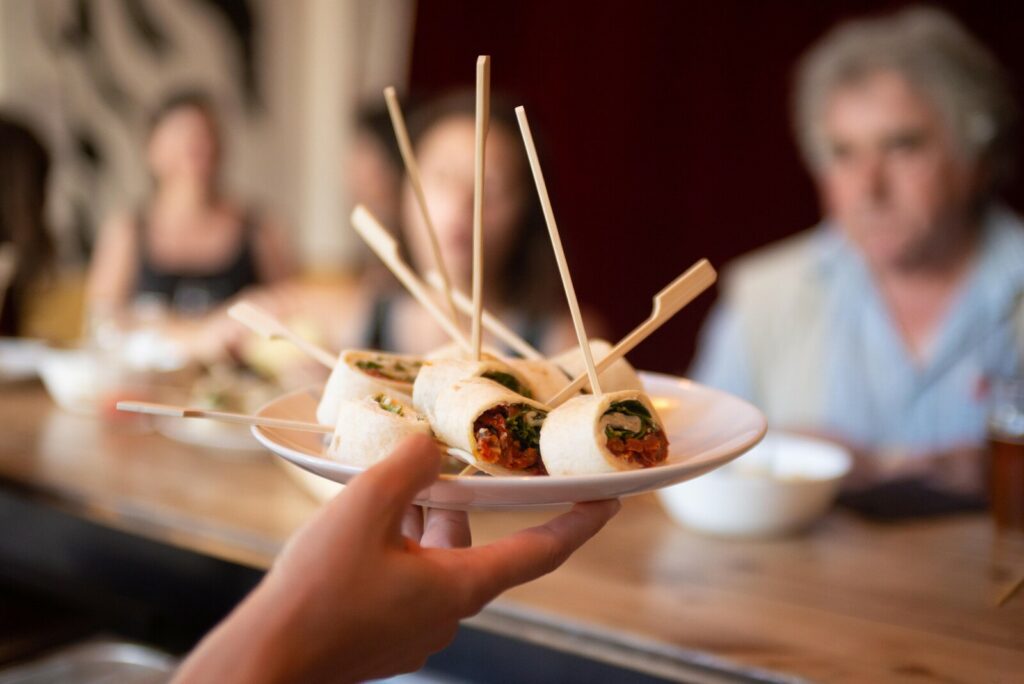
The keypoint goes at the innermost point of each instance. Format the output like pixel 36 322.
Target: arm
pixel 352 598
pixel 112 273
pixel 275 260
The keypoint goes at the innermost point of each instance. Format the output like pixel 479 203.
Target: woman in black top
pixel 190 247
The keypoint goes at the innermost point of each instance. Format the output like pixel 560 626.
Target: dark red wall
pixel 666 125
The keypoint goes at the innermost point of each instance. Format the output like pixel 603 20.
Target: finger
pixel 444 529
pixel 412 523
pixel 531 553
pixel 383 492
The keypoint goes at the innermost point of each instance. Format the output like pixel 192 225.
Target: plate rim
pixel 627 480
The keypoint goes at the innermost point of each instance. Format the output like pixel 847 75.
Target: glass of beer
pixel 1006 452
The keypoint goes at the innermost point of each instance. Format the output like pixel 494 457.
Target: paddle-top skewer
pixel 483 115
pixel 413 171
pixel 221 416
pixel 268 326
pixel 490 322
pixel 556 243
pixel 385 247
pixel 667 303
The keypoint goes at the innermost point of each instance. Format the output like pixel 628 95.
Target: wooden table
pixel 851 601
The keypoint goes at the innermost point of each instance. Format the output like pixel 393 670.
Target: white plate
pixel 706 429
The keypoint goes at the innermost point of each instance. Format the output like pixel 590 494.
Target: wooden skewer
pixel 490 321
pixel 413 170
pixel 385 247
pixel 222 416
pixel 1010 592
pixel 667 303
pixel 483 115
pixel 265 324
pixel 556 243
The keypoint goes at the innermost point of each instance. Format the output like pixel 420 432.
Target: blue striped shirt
pixel 874 393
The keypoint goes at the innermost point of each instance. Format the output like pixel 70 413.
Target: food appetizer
pixel 370 428
pixel 360 373
pixel 603 434
pixel 499 429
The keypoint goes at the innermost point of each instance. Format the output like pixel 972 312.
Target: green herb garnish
pixel 525 426
pixel 388 404
pixel 510 381
pixel 633 408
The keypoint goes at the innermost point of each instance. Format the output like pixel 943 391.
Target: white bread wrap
pixel 458 407
pixel 619 376
pixel 544 378
pixel 572 440
pixel 367 432
pixel 348 381
pixel 437 376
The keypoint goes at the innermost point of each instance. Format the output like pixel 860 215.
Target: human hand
pixel 351 597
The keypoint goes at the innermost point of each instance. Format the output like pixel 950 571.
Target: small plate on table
pixel 706 429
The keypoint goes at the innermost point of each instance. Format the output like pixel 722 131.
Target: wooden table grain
pixel 849 601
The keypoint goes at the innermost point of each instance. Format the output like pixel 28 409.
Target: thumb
pixel 384 492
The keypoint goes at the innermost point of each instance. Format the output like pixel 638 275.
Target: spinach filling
pixel 509 381
pixel 389 404
pixel 524 426
pixel 394 369
pixel 633 409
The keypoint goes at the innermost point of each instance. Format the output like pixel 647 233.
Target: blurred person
pixel 375 169
pixel 371 586
pixel 520 280
pixel 24 235
pixel 520 277
pixel 190 246
pixel 879 327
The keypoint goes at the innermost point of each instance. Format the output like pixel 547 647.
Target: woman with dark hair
pixel 520 283
pixel 190 247
pixel 24 167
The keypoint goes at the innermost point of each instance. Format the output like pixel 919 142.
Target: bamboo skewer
pixel 1010 592
pixel 385 247
pixel 556 244
pixel 483 115
pixel 413 170
pixel 221 416
pixel 667 303
pixel 490 322
pixel 266 325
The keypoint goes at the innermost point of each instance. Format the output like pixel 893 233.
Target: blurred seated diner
pixel 881 326
pixel 190 246
pixel 520 281
pixel 26 247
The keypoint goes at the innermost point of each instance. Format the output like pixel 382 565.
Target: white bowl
pixel 780 486
pixel 77 379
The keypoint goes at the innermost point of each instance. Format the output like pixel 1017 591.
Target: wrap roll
pixel 619 376
pixel 370 428
pixel 498 428
pixel 362 373
pixel 603 434
pixel 544 378
pixel 437 376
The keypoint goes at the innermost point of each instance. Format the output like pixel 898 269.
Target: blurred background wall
pixel 666 122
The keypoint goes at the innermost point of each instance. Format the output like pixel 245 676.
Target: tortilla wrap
pixel 573 441
pixel 348 381
pixel 367 432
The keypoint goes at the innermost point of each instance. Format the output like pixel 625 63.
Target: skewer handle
pixel 667 303
pixel 263 323
pixel 556 244
pixel 413 170
pixel 385 247
pixel 221 416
